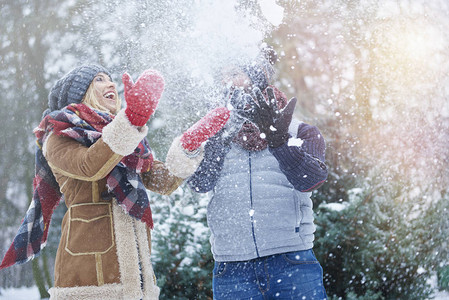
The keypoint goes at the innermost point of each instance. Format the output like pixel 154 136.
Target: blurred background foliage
pixel 372 75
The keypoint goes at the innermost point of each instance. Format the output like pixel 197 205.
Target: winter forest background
pixel 372 75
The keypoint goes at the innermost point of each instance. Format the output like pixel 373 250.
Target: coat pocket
pixel 90 229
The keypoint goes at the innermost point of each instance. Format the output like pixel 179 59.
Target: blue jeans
pixel 292 275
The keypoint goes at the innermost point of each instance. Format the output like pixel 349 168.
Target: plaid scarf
pixel 85 125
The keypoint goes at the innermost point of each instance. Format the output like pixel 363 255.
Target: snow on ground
pixel 32 293
pixel 441 296
pixel 23 293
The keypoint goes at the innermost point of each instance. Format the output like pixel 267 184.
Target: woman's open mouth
pixel 109 95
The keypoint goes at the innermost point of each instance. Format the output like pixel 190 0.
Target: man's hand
pixel 271 121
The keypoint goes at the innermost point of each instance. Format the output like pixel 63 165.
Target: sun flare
pixel 406 48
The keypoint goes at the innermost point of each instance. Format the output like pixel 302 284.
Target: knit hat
pixel 261 70
pixel 73 86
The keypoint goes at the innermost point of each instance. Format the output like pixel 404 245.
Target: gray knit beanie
pixel 73 86
pixel 261 70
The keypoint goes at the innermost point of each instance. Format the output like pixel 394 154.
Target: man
pixel 261 169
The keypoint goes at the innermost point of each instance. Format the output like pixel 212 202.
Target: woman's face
pixel 105 92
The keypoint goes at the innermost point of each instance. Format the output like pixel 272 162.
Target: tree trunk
pixel 38 278
pixel 46 269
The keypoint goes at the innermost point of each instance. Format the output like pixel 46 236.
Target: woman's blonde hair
pixel 91 100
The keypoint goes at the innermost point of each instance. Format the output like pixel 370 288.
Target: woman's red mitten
pixel 143 96
pixel 206 127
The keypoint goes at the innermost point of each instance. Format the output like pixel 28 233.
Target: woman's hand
pixel 206 127
pixel 186 151
pixel 143 96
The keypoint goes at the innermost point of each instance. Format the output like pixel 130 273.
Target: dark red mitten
pixel 208 126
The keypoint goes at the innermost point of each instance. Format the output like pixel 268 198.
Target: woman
pixel 96 156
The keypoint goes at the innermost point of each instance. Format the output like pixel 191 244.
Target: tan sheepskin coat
pixel 103 252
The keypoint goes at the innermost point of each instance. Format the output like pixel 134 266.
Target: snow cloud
pixel 189 41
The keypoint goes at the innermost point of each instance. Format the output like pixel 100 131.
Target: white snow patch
pixel 22 293
pixel 188 210
pixel 438 295
pixel 295 142
pixel 335 206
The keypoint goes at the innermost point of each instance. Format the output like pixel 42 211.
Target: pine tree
pixel 181 250
pixel 376 245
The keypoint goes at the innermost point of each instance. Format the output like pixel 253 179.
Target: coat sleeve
pixel 70 158
pixel 304 165
pixel 159 179
pixel 208 172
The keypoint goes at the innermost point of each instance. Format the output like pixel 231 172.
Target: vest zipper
pixel 252 204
